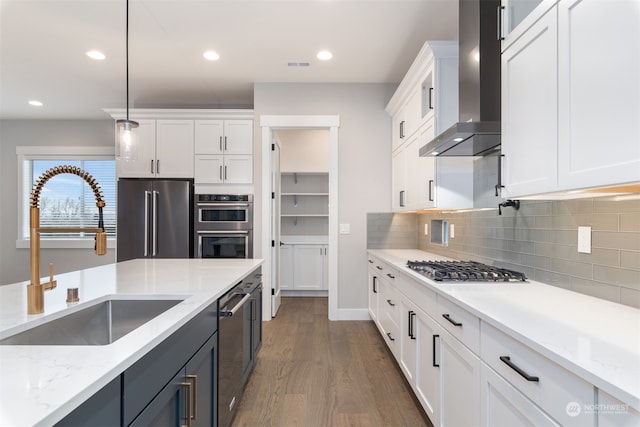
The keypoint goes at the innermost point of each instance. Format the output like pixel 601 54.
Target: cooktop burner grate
pixel 465 271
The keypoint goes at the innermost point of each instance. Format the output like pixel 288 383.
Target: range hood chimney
pixel 477 132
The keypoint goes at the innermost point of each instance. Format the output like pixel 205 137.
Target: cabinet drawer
pixel 547 384
pixel 460 323
pixel 418 293
pixel 390 304
pixel 390 333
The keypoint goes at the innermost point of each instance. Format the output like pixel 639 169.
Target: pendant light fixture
pixel 126 144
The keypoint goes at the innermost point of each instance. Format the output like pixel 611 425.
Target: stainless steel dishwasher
pixel 230 330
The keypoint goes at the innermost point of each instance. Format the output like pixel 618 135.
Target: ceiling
pixel 43 45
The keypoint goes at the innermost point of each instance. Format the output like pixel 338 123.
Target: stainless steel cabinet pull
pixel 220 173
pixel 390 337
pixel 194 401
pixel 431 98
pixel 402 198
pixel 225 173
pixel 151 166
pixel 187 386
pixel 221 143
pixel 390 303
pixel 453 322
pixel 402 129
pixel 523 374
pixel 158 166
pixel 431 190
pixel 225 143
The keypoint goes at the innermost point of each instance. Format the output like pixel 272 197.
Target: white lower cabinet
pixel 613 413
pixel 419 333
pixel 303 267
pixel 373 290
pixel 558 392
pixel 460 382
pixel 503 405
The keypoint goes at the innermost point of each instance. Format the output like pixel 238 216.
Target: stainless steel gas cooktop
pixel 465 271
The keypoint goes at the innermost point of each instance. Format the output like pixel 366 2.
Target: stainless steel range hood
pixel 477 132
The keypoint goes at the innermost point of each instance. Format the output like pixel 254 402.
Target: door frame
pixel 268 124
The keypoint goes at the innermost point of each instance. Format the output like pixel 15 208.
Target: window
pixel 67 199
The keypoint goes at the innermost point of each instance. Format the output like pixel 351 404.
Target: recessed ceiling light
pixel 324 55
pixel 94 54
pixel 35 103
pixel 211 55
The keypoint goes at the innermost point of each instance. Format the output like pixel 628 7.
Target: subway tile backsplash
pixel 540 240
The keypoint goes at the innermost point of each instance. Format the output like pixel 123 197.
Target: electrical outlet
pixel 426 229
pixel 452 231
pixel 584 240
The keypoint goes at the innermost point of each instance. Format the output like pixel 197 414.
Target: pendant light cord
pixel 127 54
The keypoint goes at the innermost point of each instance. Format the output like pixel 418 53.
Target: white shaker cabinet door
pixel 530 110
pixel 238 137
pixel 238 169
pixel 209 169
pixel 209 136
pixel 599 95
pixel 308 267
pixel 504 405
pixel 460 386
pixel 174 149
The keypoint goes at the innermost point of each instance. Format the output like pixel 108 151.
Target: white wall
pixel 364 171
pixel 303 150
pixel 14 263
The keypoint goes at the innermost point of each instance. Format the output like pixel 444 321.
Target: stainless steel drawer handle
pixel 453 322
pixel 230 313
pixel 523 374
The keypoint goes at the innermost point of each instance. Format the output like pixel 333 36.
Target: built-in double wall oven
pixel 223 226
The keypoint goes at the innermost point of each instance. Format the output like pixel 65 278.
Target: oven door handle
pixel 230 313
pixel 222 231
pixel 223 205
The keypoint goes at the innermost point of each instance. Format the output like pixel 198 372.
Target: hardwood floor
pixel 313 372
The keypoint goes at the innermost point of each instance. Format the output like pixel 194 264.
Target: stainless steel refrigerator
pixel 155 219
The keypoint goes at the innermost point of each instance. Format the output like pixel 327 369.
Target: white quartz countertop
pixel 596 339
pixel 39 385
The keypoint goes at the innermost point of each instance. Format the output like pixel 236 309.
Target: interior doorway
pixel 317 221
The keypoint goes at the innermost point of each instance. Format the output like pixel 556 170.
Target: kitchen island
pixel 40 385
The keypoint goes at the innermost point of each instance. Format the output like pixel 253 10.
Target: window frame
pixel 29 153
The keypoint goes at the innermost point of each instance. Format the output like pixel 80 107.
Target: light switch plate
pixel 452 231
pixel 426 229
pixel 584 240
pixel 345 228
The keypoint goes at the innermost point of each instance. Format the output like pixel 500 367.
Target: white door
pixel 275 228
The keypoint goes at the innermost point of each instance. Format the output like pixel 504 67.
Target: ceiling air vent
pixel 297 64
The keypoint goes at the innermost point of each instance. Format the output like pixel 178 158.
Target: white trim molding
pixel 268 123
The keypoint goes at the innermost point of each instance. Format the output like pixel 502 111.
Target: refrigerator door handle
pixel 155 224
pixel 147 194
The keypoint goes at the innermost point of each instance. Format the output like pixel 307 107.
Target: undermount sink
pixel 99 324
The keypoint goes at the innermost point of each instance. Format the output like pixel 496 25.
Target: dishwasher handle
pixel 230 313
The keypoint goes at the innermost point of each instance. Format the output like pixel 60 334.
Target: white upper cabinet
pixel 224 136
pixel 599 93
pixel 571 99
pixel 516 16
pixel 165 150
pixel 530 110
pixel 424 105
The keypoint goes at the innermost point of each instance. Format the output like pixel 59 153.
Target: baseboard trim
pixel 353 314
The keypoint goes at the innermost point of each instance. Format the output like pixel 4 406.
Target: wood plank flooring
pixel 313 372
